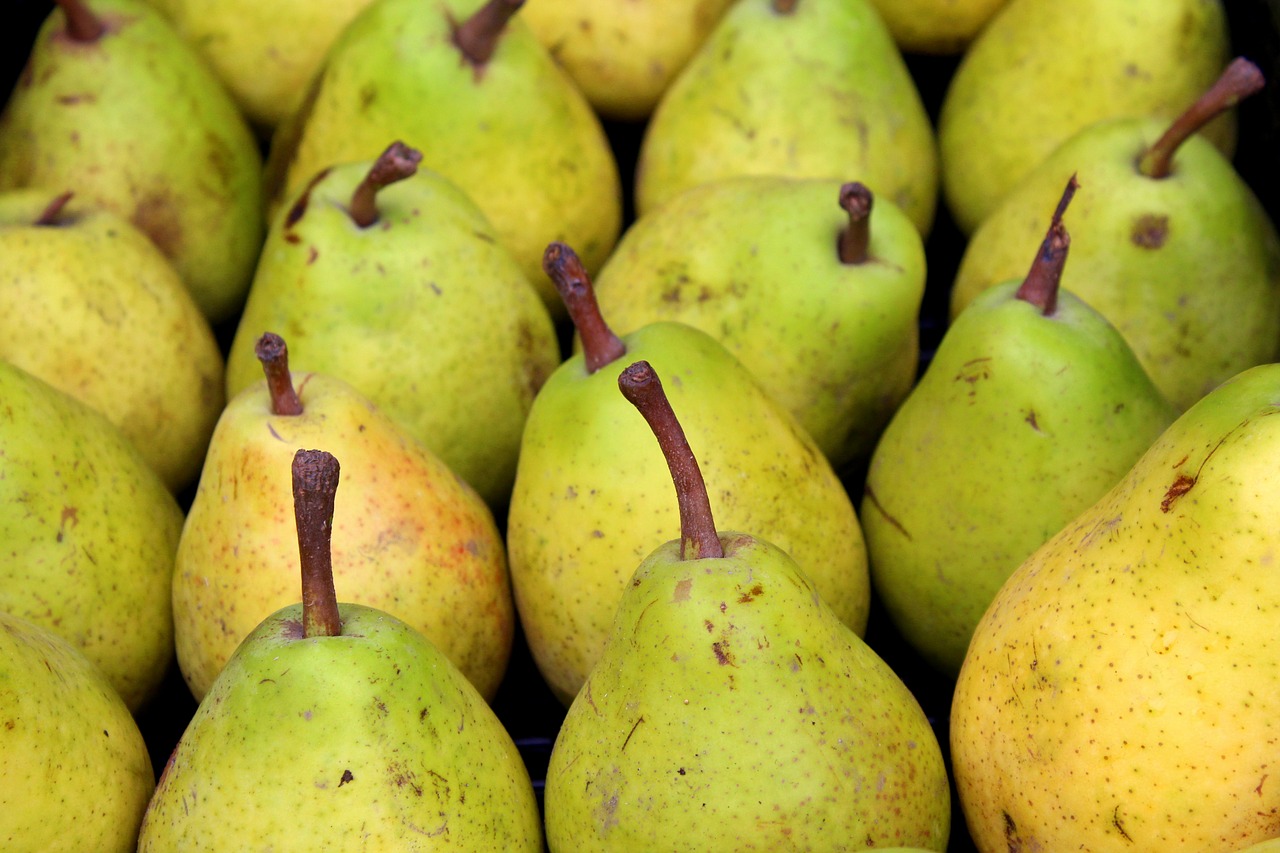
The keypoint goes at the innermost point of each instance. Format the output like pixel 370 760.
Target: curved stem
pixel 1239 80
pixel 274 355
pixel 600 345
pixel 398 162
pixel 698 538
pixel 82 24
pixel 315 489
pixel 51 212
pixel 856 200
pixel 477 36
pixel 1040 287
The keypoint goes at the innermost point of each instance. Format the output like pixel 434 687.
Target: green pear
pixel 115 104
pixel 1043 69
pixel 585 506
pixel 387 276
pixel 805 88
pixel 412 538
pixel 821 306
pixel 940 27
pixel 92 307
pixel 340 727
pixel 1172 246
pixel 623 55
pixel 1031 409
pixel 1122 691
pixel 731 709
pixel 472 88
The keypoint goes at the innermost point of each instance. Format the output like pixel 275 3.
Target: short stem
pixel 1239 80
pixel 1040 287
pixel 274 355
pixel 51 212
pixel 477 36
pixel 856 200
pixel 315 489
pixel 82 24
pixel 698 537
pixel 600 346
pixel 398 162
pixel 784 7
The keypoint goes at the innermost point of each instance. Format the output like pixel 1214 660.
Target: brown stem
pixel 784 7
pixel 698 537
pixel 1040 287
pixel 398 162
pixel 477 36
pixel 51 212
pixel 600 345
pixel 82 24
pixel 274 355
pixel 1239 80
pixel 315 487
pixel 856 200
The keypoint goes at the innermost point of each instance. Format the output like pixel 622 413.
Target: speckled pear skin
pixel 1122 691
pixel 409 536
pixel 77 774
pixel 370 740
pixel 591 496
pixel 732 710
pixel 90 535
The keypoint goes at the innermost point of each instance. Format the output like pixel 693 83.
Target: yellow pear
pixel 944 27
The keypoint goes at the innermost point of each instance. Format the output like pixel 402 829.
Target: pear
pixel 805 88
pixel 339 727
pixel 1043 69
pixel 372 259
pixel 115 104
pixel 412 539
pixel 939 27
pixel 472 88
pixel 1032 407
pixel 731 709
pixel 93 307
pixel 1172 245
pixel 584 506
pixel 793 276
pixel 1122 691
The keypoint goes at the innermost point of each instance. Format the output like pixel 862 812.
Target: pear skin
pixel 938 27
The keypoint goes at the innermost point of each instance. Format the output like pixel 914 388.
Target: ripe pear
pixel 339 727
pixel 1032 407
pixel 472 88
pixel 1043 69
pixel 93 307
pixel 731 709
pixel 815 293
pixel 1122 691
pixel 389 277
pixel 942 27
pixel 412 539
pixel 804 88
pixel 585 506
pixel 114 104
pixel 1172 246
pixel 90 534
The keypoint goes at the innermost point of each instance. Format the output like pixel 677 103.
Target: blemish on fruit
pixel 751 594
pixel 722 654
pixel 634 726
pixel 1031 419
pixel 682 589
pixel 347 776
pixel 1180 487
pixel 1149 231
pixel 1116 822
pixel 897 525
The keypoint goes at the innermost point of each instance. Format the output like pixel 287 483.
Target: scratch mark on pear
pixel 875 502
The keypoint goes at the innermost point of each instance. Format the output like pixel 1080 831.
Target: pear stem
pixel 784 7
pixel 600 346
pixel 1240 79
pixel 315 489
pixel 274 355
pixel 698 538
pixel 1041 285
pixel 477 36
pixel 82 24
pixel 398 162
pixel 856 200
pixel 51 212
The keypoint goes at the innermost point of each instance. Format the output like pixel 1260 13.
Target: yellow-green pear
pixel 586 505
pixel 467 84
pixel 116 106
pixel 1171 245
pixel 91 306
pixel 1043 69
pixel 1122 691
pixel 339 727
pixel 805 88
pixel 731 709
pixel 1032 407
pixel 813 291
pixel 942 27
pixel 1271 845
pixel 389 277
pixel 412 538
